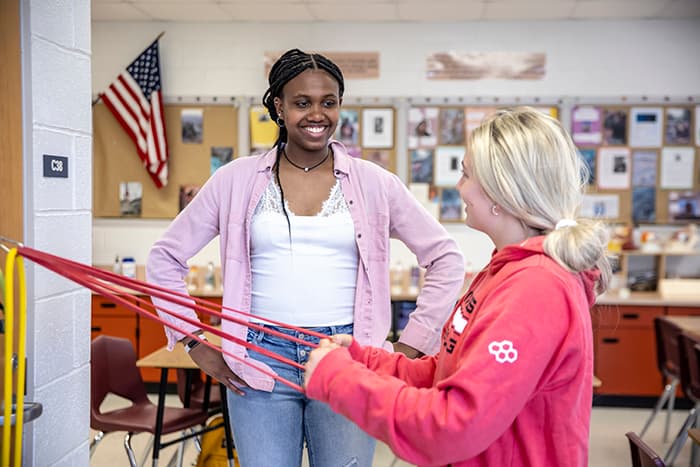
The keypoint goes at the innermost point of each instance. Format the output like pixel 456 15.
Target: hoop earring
pixel 280 122
pixel 494 210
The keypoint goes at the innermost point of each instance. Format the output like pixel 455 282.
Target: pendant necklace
pixel 301 167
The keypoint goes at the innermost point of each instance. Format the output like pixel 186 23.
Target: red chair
pixel 113 370
pixel 642 454
pixel 668 362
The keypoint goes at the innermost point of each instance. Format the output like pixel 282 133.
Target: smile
pixel 315 129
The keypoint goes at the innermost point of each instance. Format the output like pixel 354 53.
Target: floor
pixel 608 446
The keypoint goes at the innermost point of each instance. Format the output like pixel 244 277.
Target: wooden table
pixel 178 358
pixel 686 323
pixel 694 433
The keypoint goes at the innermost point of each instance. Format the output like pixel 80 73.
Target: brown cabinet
pixel 113 320
pixel 625 350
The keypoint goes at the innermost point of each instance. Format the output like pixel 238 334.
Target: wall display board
pixel 201 138
pixel 643 161
pixel 366 132
pixel 436 137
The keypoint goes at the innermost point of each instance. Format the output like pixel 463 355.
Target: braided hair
pixel 291 64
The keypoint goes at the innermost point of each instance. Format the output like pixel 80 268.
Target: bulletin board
pixel 437 137
pixel 368 132
pixel 115 159
pixel 655 148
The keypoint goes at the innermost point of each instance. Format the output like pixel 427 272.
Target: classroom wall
pixel 55 45
pixel 586 59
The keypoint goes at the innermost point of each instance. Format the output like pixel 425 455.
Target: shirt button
pixel 369 302
pixel 350 201
pixel 359 235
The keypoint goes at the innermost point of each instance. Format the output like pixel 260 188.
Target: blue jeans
pixel 270 428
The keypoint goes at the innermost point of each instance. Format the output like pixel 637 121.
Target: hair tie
pixel 565 223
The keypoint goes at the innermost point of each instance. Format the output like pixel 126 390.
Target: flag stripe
pixel 135 99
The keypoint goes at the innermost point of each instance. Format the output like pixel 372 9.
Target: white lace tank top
pixel 309 279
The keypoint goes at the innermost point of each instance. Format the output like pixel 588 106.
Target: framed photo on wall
pixel 348 130
pixel 448 165
pixel 378 128
pixel 614 126
pixel 452 126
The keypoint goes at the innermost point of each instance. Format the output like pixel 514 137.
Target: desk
pixel 686 323
pixel 178 358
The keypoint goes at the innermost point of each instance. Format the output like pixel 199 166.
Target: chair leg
pixel 682 436
pixel 669 391
pixel 149 446
pixel 95 441
pixel 670 407
pixel 129 450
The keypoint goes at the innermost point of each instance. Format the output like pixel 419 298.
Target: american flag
pixel 136 101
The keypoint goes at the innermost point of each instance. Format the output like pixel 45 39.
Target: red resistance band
pixel 103 283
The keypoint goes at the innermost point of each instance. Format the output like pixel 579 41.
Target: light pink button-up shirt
pixel 381 208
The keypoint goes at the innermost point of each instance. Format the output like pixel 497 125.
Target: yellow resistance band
pixel 21 350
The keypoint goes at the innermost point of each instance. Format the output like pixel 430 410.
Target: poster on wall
pixel 646 126
pixel 614 168
pixel 422 166
pixel 192 123
pixel 684 206
pixel 220 156
pixel 187 194
pixel 644 168
pixel 451 126
pixel 378 128
pixel 614 127
pixel 422 127
pixel 589 156
pixel 263 131
pixel 677 168
pixel 348 129
pixel 486 65
pixel 586 125
pixel 428 196
pixel 678 129
pixel 644 204
pixel 596 206
pixel 130 197
pixel 450 205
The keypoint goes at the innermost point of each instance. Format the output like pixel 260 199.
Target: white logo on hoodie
pixel 503 351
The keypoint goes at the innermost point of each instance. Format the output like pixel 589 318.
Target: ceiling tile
pixel 532 10
pixel 176 11
pixel 440 11
pixel 354 11
pixel 117 12
pixel 600 9
pixel 274 11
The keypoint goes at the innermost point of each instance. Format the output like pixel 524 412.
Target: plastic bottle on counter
pixel 129 267
pixel 117 266
pixel 210 278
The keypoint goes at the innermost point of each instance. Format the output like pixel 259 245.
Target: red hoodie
pixel 511 385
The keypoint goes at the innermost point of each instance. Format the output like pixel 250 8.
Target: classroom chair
pixel 642 454
pixel 690 383
pixel 668 362
pixel 113 370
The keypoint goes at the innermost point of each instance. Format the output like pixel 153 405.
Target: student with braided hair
pixel 512 384
pixel 304 233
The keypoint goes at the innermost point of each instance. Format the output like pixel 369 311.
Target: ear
pixel 340 102
pixel 278 105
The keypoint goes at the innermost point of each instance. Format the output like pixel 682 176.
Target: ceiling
pixel 389 10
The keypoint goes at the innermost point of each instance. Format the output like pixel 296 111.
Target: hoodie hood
pixel 534 246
